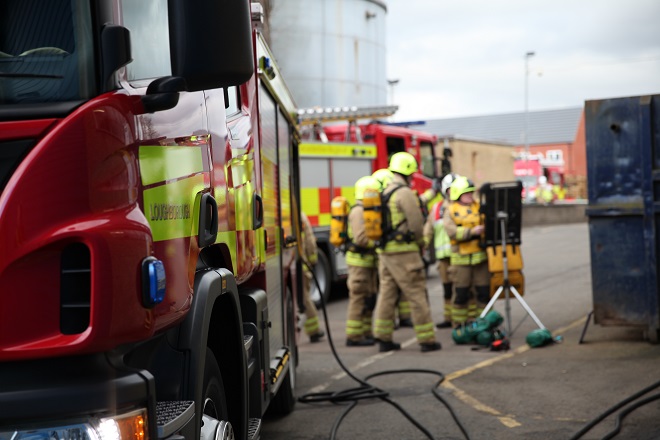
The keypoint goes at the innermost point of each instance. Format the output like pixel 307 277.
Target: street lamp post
pixel 392 83
pixel 528 55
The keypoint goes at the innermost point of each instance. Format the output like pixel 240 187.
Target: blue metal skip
pixel 623 175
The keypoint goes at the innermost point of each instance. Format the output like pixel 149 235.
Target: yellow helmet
pixel 383 176
pixel 403 163
pixel 461 185
pixel 364 183
pixel 446 183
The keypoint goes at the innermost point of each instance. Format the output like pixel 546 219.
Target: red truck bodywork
pixel 147 226
pixel 418 143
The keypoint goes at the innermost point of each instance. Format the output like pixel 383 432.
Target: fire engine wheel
pixel 324 278
pixel 215 423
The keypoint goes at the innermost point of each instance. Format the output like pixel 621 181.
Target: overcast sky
pixel 467 57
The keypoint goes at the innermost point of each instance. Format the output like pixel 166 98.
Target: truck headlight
pixel 127 426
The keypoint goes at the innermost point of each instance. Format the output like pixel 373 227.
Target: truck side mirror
pixel 115 50
pixel 211 42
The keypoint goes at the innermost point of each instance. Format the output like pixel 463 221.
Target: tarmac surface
pixel 563 387
pixel 550 392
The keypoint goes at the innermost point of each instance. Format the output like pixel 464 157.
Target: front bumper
pixel 73 395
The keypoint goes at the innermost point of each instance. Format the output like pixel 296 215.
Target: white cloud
pixel 468 57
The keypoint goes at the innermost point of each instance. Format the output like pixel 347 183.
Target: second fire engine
pixel 337 149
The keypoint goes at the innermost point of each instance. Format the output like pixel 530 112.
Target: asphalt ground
pixel 550 392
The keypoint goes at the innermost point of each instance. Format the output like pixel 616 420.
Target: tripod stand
pixel 506 286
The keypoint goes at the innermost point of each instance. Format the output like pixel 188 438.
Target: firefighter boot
pixel 430 346
pixel 366 342
pixel 384 346
pixel 316 337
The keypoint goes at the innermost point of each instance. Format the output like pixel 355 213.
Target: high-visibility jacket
pixel 441 241
pixel 406 219
pixel 545 193
pixel 558 192
pixel 458 221
pixel 360 251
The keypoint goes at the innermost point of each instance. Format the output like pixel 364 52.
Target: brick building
pixel 557 136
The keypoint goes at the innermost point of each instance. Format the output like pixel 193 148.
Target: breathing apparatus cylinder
pixel 338 220
pixel 373 214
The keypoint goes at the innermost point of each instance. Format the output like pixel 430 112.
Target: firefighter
pixel 362 264
pixel 544 193
pixel 384 177
pixel 311 256
pixel 400 264
pixel 469 265
pixel 436 237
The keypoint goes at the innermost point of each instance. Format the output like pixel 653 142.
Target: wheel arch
pixel 214 321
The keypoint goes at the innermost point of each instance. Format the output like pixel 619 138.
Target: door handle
pixel 208 221
pixel 257 211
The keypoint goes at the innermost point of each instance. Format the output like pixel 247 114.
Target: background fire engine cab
pixel 147 221
pixel 336 150
pixel 528 169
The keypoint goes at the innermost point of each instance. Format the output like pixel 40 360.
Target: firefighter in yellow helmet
pixel 436 237
pixel 469 265
pixel 400 264
pixel 362 265
pixel 310 254
pixel 384 176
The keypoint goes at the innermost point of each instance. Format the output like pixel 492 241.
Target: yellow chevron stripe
pixel 337 150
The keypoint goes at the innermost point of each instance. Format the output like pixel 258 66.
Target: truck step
pixel 251 361
pixel 254 429
pixel 247 343
pixel 171 416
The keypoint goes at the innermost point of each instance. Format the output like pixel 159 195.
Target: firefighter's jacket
pixel 406 218
pixel 434 230
pixel 458 221
pixel 310 250
pixel 360 251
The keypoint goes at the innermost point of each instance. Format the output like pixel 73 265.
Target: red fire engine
pixel 148 183
pixel 533 170
pixel 333 157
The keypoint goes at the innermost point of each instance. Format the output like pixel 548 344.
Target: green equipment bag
pixel 462 334
pixel 467 333
pixel 479 325
pixel 539 337
pixel 486 338
pixel 494 319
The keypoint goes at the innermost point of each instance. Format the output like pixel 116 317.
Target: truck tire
pixel 323 275
pixel 285 399
pixel 215 416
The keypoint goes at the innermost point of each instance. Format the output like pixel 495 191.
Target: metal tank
pixel 331 52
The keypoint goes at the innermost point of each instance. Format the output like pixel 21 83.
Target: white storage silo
pixel 331 52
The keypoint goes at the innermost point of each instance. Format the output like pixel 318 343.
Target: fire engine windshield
pixel 428 165
pixel 46 51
